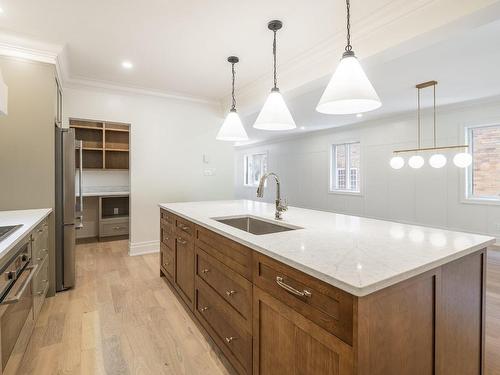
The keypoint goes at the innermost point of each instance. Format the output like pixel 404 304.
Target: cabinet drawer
pixel 167 259
pixel 233 288
pixel 40 285
pixel 167 218
pixel 232 254
pixel 225 327
pixel 113 229
pixel 167 235
pixel 323 304
pixel 40 244
pixel 184 228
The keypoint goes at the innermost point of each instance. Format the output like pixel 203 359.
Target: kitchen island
pixel 328 293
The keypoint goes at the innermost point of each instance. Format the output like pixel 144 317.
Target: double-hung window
pixel 255 168
pixel 483 177
pixel 345 168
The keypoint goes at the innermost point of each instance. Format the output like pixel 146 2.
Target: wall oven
pixel 16 298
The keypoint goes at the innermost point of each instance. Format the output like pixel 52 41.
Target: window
pixel 483 179
pixel 345 165
pixel 255 168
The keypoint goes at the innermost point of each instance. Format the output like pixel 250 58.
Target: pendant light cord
pixel 274 57
pixel 233 107
pixel 348 47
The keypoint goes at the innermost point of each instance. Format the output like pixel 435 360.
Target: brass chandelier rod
pixel 419 87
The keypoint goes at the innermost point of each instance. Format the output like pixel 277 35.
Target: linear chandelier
pixel 436 160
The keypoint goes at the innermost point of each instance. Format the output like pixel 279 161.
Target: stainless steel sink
pixel 6 231
pixel 255 226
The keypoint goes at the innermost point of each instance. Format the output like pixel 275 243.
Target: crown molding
pixel 85 83
pixel 27 48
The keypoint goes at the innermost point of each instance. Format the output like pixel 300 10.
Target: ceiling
pixel 179 47
pixel 176 46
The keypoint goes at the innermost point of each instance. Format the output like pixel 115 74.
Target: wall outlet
pixel 116 211
pixel 209 172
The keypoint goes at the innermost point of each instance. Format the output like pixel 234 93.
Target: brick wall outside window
pixel 485 143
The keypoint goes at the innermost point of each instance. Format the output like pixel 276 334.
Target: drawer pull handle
pixel 39 259
pixel 204 309
pixel 181 241
pixel 230 339
pixel 205 270
pixel 40 230
pixel 166 238
pixel 166 262
pixel 230 293
pixel 184 228
pixel 291 289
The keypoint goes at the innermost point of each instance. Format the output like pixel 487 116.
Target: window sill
pixel 482 201
pixel 345 192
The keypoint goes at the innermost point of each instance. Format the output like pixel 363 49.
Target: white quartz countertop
pixel 358 255
pixel 28 218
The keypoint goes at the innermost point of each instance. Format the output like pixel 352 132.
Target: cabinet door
pixel 184 269
pixel 287 343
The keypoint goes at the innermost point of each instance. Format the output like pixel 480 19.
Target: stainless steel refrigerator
pixel 68 207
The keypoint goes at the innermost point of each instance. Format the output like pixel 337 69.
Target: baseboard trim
pixel 141 248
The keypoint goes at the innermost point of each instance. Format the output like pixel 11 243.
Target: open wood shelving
pixel 105 144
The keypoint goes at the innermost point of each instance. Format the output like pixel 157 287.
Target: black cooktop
pixel 6 231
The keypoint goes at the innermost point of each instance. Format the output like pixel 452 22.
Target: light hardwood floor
pixel 122 319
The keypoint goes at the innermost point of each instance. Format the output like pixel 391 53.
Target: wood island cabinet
pixel 267 318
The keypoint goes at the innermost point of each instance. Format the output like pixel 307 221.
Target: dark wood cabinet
pixel 285 342
pixel 268 318
pixel 184 270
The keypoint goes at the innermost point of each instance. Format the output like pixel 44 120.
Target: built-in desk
pixel 105 212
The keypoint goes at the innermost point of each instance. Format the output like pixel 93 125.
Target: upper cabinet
pixel 105 144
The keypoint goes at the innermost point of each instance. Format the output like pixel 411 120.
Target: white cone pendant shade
pixel 349 90
pixel 232 128
pixel 275 115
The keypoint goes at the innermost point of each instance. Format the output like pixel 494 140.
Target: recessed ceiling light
pixel 127 64
pixel 359 115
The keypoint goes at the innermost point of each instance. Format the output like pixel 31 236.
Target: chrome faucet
pixel 281 205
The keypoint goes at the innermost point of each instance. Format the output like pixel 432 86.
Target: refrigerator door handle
pixel 80 183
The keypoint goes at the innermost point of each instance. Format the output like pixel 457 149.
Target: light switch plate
pixel 115 211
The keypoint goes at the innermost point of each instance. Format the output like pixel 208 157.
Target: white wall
pixel 427 196
pixel 168 140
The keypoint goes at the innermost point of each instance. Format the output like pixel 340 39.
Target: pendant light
pixel 275 115
pixel 232 129
pixel 349 90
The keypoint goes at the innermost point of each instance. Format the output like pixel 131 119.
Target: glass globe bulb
pixel 397 162
pixel 437 161
pixel 462 160
pixel 416 162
